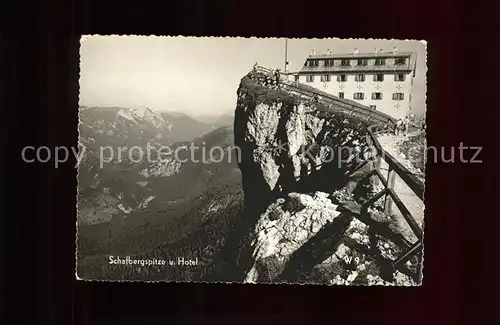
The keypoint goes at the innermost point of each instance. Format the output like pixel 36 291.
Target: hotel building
pixel 381 80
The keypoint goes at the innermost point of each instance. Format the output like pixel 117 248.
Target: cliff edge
pixel 297 161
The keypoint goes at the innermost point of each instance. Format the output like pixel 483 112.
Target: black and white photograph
pixel 251 160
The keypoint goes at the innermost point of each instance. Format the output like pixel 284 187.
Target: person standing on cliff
pixel 399 125
pixel 422 125
pixel 254 70
pixel 412 120
pixel 269 78
pixel 406 125
pixel 277 74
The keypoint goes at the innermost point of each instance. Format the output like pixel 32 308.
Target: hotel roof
pixel 391 68
pixel 353 55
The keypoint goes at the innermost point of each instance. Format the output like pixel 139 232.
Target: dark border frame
pixel 40 73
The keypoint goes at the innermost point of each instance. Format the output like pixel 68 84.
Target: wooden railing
pixel 382 123
pixel 416 185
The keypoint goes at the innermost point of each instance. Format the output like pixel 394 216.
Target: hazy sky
pixel 201 75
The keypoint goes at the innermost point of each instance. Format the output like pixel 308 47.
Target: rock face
pixel 289 145
pixel 285 140
pixel 304 239
pixel 285 227
pixel 294 160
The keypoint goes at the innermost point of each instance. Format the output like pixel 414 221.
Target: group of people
pixel 272 80
pixel 402 125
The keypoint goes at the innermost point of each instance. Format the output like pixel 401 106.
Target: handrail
pixel 395 168
pixel 415 184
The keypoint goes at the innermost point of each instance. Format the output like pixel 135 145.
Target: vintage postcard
pixel 251 160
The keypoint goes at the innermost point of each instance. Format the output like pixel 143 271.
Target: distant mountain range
pixel 180 126
pixel 131 206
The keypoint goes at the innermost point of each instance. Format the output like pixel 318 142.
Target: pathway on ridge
pixel 413 203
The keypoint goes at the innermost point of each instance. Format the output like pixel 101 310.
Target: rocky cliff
pixel 295 160
pixel 287 143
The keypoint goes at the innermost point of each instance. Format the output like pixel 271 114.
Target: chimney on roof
pixel 395 49
pixel 355 51
pixel 313 52
pixel 328 52
pixel 381 50
pixel 376 50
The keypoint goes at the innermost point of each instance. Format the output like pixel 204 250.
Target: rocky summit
pixel 297 164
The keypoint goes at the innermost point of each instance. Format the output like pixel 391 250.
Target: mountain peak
pixel 142 111
pixel 144 114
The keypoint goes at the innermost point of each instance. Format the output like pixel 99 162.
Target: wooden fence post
pixel 377 163
pixel 375 160
pixel 391 178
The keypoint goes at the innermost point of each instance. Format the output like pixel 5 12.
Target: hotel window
pixel 341 95
pixel 342 77
pixel 377 96
pixel 362 61
pixel 325 77
pixel 360 77
pixel 373 106
pixel 345 62
pixel 398 96
pixel 378 77
pixel 359 96
pixel 329 63
pixel 399 77
pixel 400 61
pixel 379 61
pixel 313 63
pixel 310 78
